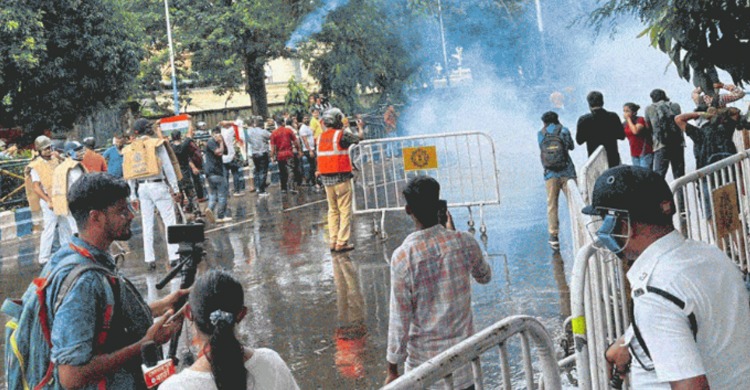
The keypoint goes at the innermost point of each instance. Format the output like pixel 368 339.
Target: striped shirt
pixel 430 304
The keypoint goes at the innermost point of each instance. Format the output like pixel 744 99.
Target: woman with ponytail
pixel 215 306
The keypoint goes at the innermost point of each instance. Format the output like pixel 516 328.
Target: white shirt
pixel 266 371
pixel 228 134
pixel 306 132
pixel 73 176
pixel 712 288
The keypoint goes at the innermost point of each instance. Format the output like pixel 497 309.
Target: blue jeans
pixel 260 171
pixel 237 177
pixel 219 190
pixel 645 161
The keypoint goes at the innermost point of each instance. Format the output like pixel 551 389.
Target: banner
pixel 420 158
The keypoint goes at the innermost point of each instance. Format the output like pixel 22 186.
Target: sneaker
pixel 283 191
pixel 210 216
pixel 263 194
pixel 554 241
pixel 294 192
pixel 225 219
pixel 239 193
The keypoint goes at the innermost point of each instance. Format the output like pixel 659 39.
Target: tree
pixel 231 41
pixel 698 36
pixel 60 60
pixel 295 101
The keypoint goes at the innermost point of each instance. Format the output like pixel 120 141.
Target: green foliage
pixel 697 35
pixel 62 59
pixel 295 100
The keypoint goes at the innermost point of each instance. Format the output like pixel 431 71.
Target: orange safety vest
pixel 332 158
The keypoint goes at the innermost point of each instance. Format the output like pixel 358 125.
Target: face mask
pixel 606 236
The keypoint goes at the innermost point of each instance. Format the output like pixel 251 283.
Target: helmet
pixel 72 149
pixel 89 142
pixel 42 142
pixel 333 118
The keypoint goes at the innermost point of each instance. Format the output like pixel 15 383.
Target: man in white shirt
pixel 230 133
pixel 307 139
pixel 690 306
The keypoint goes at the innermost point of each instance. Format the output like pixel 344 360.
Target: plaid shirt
pixel 430 307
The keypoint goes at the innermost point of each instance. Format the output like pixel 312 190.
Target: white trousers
pixel 156 196
pixel 66 227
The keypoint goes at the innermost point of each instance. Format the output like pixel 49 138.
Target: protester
pixel 639 137
pixel 113 156
pixel 701 98
pixel 713 140
pixel 283 144
pixel 259 140
pixel 216 306
pixel 93 161
pixel 600 128
pixel 555 141
pixel 38 182
pixel 184 149
pixel 217 182
pixel 335 172
pixel 83 358
pixel 7 152
pixel 390 118
pixel 430 307
pixel 690 305
pixel 315 124
pixel 232 164
pixel 668 141
pixel 150 172
pixel 308 149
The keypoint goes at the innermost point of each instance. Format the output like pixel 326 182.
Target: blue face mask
pixel 606 234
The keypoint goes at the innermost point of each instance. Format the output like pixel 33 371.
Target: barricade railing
pixel 595 165
pixel 12 192
pixel 470 351
pixel 713 206
pixel 464 163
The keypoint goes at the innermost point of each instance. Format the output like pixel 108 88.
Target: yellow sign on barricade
pixel 420 158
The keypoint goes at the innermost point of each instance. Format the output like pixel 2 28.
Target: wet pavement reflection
pixel 327 314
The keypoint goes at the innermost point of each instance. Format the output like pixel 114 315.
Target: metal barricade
pixel 12 192
pixel 464 163
pixel 595 165
pixel 470 350
pixel 713 206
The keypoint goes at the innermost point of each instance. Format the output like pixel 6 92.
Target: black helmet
pixel 89 142
pixel 333 118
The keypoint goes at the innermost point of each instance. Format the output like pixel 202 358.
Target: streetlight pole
pixel 445 52
pixel 171 61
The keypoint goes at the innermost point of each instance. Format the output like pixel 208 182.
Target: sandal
pixel 344 248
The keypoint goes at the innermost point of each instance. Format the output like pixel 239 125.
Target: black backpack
pixel 554 153
pixel 667 131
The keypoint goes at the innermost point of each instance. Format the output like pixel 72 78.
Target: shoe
pixel 283 191
pixel 225 219
pixel 239 193
pixel 294 192
pixel 263 194
pixel 344 248
pixel 554 241
pixel 210 217
pixel 152 266
pixel 252 190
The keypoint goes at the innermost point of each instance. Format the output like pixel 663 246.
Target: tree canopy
pixel 699 36
pixel 62 59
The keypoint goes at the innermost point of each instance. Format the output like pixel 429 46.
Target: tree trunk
pixel 256 85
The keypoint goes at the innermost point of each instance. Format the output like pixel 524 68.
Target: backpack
pixel 667 131
pixel 554 154
pixel 28 341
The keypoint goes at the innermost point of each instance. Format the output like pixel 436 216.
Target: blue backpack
pixel 28 341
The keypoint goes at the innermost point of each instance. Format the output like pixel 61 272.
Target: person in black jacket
pixel 600 127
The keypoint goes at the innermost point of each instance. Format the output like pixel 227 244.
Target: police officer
pixel 690 306
pixel 148 168
pixel 335 172
pixel 38 177
pixel 65 175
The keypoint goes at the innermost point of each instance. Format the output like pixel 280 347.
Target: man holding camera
pixel 86 354
pixel 430 308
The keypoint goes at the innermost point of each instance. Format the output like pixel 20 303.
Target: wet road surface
pixel 327 314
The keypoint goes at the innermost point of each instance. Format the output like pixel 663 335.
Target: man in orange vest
pixel 335 172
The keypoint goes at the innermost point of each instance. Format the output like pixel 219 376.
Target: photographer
pixel 83 358
pixel 422 303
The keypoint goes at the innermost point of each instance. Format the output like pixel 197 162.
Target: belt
pixel 150 181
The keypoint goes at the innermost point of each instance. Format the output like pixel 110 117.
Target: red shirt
pixel 642 143
pixel 282 140
pixel 94 162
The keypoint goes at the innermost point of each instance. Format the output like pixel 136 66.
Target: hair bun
pixel 221 317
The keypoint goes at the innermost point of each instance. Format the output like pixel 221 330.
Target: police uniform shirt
pixel 712 288
pixel 167 170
